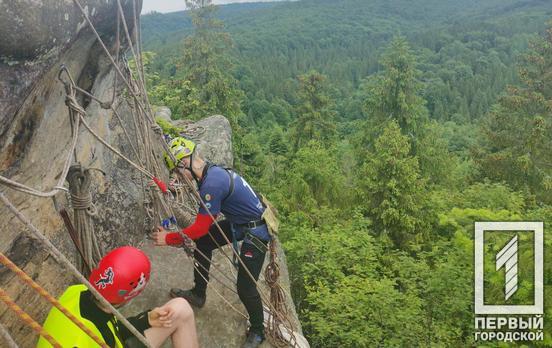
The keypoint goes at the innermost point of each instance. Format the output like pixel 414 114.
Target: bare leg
pixel 182 332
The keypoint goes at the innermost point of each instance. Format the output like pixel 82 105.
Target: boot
pixel 253 340
pixel 192 298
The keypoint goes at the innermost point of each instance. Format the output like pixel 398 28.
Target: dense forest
pixel 381 130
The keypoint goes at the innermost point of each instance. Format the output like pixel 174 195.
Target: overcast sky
pixel 178 5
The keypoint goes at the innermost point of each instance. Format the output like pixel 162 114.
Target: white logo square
pixel 537 228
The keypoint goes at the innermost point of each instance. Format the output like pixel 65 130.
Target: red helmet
pixel 121 274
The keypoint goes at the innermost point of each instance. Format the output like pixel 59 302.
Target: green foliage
pixel 206 65
pixel 346 277
pixel 437 163
pixel 311 179
pixel 369 313
pixel 275 42
pixel 314 112
pixel 201 83
pixel 252 159
pixel 448 293
pixel 277 143
pixel 393 94
pixel 168 128
pixel 392 186
pixel 488 196
pixel 518 131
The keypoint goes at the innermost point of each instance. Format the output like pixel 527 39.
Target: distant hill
pixel 160 28
pixel 462 44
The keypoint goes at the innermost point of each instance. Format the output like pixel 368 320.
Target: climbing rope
pixel 83 211
pixel 218 293
pixel 66 263
pixel 73 234
pixel 134 53
pixel 4 297
pixel 40 290
pixel 277 297
pixel 106 144
pixel 74 111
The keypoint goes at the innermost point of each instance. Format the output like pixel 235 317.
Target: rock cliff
pixel 36 37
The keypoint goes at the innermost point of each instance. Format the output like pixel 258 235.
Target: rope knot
pixel 84 202
pixel 71 102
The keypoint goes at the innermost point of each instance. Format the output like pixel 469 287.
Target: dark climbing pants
pixel 252 257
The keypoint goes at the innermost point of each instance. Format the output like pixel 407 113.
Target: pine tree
pixel 277 143
pixel 206 68
pixel 315 115
pixel 519 129
pixel 391 184
pixel 394 94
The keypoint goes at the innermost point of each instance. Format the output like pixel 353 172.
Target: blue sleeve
pixel 212 196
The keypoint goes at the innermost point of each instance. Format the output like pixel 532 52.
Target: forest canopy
pixel 381 130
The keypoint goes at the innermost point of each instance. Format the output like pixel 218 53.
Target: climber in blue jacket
pixel 222 191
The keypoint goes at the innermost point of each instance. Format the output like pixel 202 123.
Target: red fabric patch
pixel 248 254
pixel 162 186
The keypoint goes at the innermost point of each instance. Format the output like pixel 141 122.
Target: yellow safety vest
pixel 64 331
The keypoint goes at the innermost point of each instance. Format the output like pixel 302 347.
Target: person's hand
pixel 161 316
pixel 158 235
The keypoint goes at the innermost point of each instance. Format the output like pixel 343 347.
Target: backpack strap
pixel 209 165
pixel 231 190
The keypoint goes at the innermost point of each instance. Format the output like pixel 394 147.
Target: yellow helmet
pixel 180 148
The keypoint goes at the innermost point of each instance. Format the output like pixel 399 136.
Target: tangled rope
pixel 277 298
pixel 83 211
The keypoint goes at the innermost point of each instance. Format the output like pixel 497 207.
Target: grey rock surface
pixel 162 112
pixel 35 145
pixel 34 34
pixel 214 140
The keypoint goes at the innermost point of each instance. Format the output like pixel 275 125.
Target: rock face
pixel 33 27
pixel 213 138
pixel 163 113
pixel 36 37
pixel 36 33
